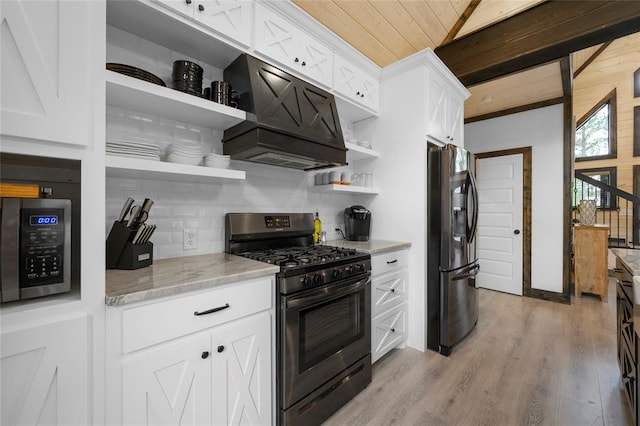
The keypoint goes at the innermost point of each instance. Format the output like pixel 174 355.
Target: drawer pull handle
pixel 210 311
pixel 220 349
pixel 205 355
pixel 389 262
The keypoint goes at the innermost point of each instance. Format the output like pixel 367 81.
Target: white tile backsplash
pixel 202 206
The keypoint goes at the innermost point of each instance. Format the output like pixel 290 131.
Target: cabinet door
pixel 169 385
pixel 369 92
pixel 346 79
pixel 315 60
pixel 43 374
pixel 388 331
pixel 276 37
pixel 242 371
pixel 231 18
pixel 455 120
pixel 437 112
pixel 388 291
pixel 48 70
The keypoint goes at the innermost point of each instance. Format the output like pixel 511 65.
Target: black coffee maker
pixel 357 223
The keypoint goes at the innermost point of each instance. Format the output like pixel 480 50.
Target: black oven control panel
pixel 325 275
pixel 42 240
pixel 277 221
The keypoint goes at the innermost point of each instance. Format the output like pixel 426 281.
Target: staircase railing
pixel 616 208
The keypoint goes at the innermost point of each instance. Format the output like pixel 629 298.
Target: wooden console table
pixel 590 246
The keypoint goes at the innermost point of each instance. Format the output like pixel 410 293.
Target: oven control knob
pixel 349 269
pixel 336 274
pixel 359 267
pixel 317 278
pixel 306 280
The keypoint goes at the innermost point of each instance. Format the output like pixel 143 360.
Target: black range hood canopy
pixel 290 122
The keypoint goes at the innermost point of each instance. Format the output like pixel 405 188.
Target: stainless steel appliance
pixel 323 329
pixel 452 197
pixel 357 223
pixel 290 122
pixel 35 247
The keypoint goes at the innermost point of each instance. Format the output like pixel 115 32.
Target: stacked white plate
pixel 133 149
pixel 216 160
pixel 184 154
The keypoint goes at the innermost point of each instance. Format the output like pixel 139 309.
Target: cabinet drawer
pixel 153 323
pixel 386 262
pixel 388 291
pixel 388 330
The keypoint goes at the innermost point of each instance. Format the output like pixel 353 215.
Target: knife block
pixel 122 253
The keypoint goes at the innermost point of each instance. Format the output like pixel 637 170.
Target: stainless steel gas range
pixel 323 329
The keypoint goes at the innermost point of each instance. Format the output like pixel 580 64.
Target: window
pixel 584 191
pixel 596 131
pixel 636 83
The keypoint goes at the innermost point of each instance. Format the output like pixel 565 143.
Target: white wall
pixel 541 129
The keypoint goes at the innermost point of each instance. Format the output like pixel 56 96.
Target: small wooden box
pixel 590 246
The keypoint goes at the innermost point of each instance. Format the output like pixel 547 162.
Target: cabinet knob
pixel 201 8
pixel 393 330
pixel 220 349
pixel 205 355
pixel 296 60
pixel 362 95
pixel 188 1
pixel 393 290
pixel 357 93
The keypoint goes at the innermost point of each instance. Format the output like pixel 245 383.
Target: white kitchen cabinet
pixel 170 361
pixel 389 274
pixel 47 71
pixel 217 377
pixel 355 84
pixel 445 111
pixel 44 375
pixel 284 42
pixel 230 18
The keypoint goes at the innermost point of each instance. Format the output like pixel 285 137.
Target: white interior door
pixel 499 246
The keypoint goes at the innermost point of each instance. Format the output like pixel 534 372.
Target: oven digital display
pixel 277 221
pixel 42 219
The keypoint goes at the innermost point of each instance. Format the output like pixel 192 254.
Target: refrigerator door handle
pixel 473 188
pixel 472 273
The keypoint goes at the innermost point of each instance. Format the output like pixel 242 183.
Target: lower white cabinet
pixel 218 375
pixel 388 302
pixel 44 375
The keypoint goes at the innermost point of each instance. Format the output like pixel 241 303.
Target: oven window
pixel 329 327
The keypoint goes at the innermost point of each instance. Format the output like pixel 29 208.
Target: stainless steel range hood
pixel 290 123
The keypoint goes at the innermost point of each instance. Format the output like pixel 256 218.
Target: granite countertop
pixel 371 246
pixel 179 275
pixel 629 258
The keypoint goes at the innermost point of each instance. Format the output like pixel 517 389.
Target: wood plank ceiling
pixel 386 31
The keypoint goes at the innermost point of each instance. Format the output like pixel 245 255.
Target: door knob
pixel 517 231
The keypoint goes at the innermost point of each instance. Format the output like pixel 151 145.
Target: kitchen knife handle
pixel 210 311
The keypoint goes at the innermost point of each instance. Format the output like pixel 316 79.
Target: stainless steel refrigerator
pixel 451 264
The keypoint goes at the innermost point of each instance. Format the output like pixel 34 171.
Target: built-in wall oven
pixel 323 329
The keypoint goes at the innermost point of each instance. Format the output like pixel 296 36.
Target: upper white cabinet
pixel 46 84
pixel 445 111
pixel 282 41
pixel 230 18
pixel 355 84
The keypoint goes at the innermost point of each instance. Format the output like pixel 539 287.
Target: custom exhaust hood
pixel 290 123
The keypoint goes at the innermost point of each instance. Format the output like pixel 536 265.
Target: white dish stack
pixel 216 160
pixel 184 154
pixel 133 149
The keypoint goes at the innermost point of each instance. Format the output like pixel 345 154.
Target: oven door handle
pixel 326 294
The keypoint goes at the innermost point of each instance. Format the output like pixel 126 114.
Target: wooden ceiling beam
pixel 544 33
pixel 591 58
pixel 461 21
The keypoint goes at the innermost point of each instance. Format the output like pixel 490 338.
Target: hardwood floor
pixel 527 362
